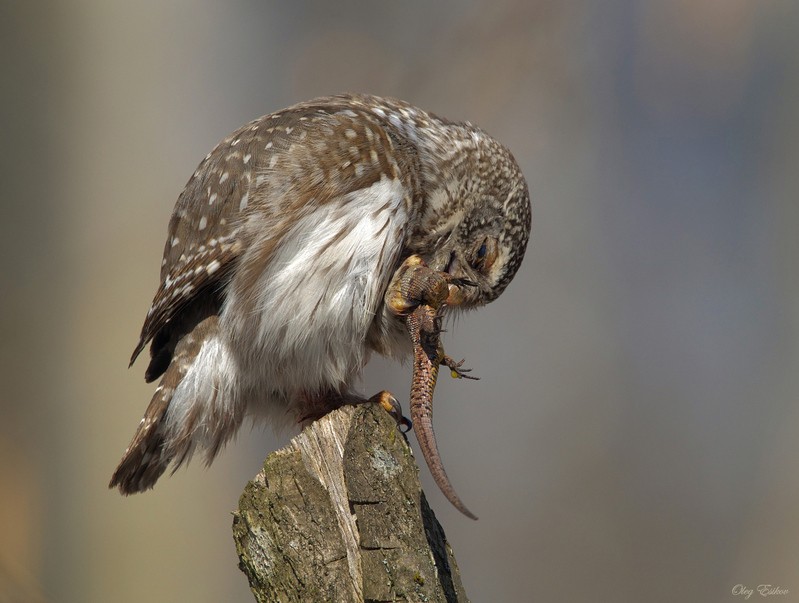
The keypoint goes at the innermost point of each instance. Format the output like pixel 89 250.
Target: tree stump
pixel 339 515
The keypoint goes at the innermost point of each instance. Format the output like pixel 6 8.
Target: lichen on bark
pixel 339 515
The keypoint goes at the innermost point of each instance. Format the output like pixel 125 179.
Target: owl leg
pixel 415 283
pixel 316 406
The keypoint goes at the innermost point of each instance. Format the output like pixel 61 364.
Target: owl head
pixel 483 241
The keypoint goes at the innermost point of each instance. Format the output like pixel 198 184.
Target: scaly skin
pixel 427 356
pixel 418 293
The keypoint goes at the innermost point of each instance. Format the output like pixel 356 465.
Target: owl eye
pixel 485 255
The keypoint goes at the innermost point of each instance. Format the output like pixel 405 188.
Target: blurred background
pixel 635 434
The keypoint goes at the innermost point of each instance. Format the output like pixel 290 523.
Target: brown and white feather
pixel 279 253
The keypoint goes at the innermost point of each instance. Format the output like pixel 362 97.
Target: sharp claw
pixel 392 406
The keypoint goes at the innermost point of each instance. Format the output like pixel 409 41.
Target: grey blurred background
pixel 635 434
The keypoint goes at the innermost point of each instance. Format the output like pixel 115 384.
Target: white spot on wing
pixel 203 223
pixel 213 267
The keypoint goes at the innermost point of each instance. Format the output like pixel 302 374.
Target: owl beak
pixel 457 285
pixel 456 295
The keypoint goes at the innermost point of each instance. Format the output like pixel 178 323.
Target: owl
pixel 287 259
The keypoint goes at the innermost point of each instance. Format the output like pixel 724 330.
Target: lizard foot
pixel 455 369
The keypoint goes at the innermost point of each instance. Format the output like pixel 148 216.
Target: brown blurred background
pixel 635 434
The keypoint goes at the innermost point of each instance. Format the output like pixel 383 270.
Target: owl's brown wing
pixel 267 172
pixel 202 244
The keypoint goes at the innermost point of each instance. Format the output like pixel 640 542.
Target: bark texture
pixel 339 515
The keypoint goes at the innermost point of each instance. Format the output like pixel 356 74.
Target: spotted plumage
pixel 279 254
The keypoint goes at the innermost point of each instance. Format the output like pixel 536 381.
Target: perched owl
pixel 276 274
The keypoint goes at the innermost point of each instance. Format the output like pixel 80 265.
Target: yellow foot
pixel 415 283
pixel 392 407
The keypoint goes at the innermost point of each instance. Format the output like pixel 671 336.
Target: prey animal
pixel 305 241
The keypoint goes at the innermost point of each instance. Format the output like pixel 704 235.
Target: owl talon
pixel 392 406
pixel 415 284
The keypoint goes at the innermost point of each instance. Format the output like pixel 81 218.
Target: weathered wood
pixel 339 515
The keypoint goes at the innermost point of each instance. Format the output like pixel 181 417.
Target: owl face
pixel 486 247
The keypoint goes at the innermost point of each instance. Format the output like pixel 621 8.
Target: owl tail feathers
pixel 146 458
pixel 156 445
pixel 191 409
pixel 163 439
